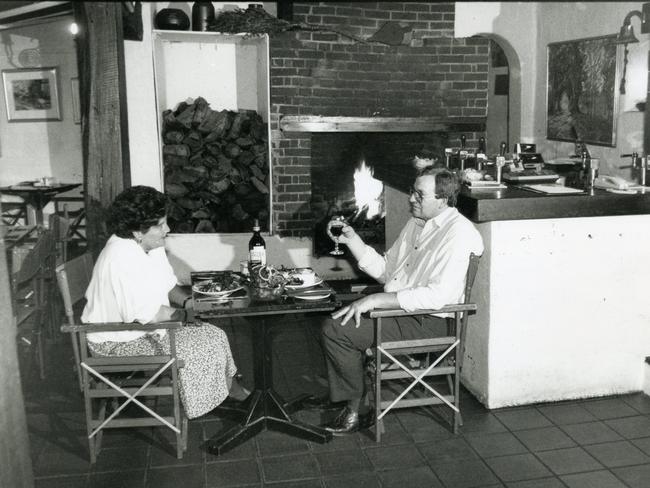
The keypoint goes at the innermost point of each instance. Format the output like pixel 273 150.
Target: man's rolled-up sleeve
pixel 373 263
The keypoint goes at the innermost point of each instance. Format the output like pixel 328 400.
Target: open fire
pixel 367 193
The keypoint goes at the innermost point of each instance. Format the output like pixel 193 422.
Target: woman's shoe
pixel 237 390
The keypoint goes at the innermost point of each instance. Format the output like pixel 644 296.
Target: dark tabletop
pixel 243 302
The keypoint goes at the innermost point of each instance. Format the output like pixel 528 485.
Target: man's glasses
pixel 419 197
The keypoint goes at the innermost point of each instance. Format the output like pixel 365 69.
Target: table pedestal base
pixel 265 409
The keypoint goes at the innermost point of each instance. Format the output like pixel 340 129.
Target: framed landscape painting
pixel 31 94
pixel 581 96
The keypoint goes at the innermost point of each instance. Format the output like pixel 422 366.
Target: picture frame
pixel 31 94
pixel 76 108
pixel 582 100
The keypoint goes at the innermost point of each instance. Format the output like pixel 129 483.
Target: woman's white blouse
pixel 127 285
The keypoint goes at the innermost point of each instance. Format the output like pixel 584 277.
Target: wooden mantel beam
pixel 317 123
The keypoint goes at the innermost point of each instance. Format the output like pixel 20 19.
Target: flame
pixel 367 192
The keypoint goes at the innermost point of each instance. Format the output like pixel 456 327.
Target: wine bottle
pixel 256 247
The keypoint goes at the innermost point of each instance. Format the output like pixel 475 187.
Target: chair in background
pixel 29 294
pixel 394 361
pixel 73 278
pixel 67 230
pixel 105 381
pixel 14 213
pixel 16 235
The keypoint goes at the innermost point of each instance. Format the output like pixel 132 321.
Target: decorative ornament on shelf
pixel 202 15
pixel 391 33
pixel 255 21
pixel 172 19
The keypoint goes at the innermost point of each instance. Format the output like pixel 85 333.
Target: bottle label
pixel 258 255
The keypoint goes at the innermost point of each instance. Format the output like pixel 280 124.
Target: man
pixel 424 269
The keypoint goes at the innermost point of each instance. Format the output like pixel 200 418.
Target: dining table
pixel 36 196
pixel 264 408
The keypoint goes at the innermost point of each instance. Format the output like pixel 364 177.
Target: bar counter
pixel 561 293
pixel 514 203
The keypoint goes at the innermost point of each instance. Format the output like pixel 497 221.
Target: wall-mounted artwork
pixel 31 94
pixel 582 97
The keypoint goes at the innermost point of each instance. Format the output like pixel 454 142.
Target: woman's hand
pixel 355 309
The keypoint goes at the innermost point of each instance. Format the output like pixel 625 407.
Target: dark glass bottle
pixel 256 247
pixel 202 15
pixel 481 145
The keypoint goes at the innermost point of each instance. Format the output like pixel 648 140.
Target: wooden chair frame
pixel 99 384
pixel 449 350
pixel 29 294
pixel 105 380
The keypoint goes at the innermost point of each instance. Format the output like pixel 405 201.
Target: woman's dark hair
pixel 447 184
pixel 136 209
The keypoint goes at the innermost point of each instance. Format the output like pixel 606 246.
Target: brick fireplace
pixel 430 77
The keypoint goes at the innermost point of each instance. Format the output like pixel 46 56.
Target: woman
pixel 133 282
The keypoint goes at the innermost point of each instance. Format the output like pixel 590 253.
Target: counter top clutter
pixel 482 199
pixel 519 203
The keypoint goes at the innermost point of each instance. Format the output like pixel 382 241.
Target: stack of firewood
pixel 216 168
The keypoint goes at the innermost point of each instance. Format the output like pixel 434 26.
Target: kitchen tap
pixel 481 158
pixel 463 152
pixel 640 163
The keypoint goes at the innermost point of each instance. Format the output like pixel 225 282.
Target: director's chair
pixel 394 360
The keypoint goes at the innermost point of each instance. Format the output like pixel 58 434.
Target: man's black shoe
pixel 321 403
pixel 346 422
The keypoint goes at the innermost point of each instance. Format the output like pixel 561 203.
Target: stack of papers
pixel 484 185
pixel 552 189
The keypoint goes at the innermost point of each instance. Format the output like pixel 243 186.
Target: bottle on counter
pixel 256 247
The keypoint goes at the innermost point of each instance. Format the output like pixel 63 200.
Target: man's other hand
pixel 355 309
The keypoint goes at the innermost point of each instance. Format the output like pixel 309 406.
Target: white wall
pixel 529 27
pixel 588 334
pixel 30 150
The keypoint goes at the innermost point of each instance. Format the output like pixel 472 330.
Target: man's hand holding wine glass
pixel 348 236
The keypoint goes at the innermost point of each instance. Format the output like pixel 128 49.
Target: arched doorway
pixel 504 95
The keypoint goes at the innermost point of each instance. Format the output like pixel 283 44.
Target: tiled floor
pixel 598 443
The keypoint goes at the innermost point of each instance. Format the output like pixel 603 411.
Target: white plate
pixel 313 296
pixel 622 192
pixel 222 293
pixel 299 287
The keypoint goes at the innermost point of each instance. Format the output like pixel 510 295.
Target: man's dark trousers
pixel 345 347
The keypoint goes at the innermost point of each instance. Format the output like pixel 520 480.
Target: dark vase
pixel 202 15
pixel 172 19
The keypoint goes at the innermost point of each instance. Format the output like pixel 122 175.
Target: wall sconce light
pixel 626 35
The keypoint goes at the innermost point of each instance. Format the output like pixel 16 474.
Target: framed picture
pixel 31 94
pixel 581 99
pixel 76 109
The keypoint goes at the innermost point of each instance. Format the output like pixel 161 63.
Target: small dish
pixel 313 296
pixel 304 285
pixel 200 287
pixel 223 293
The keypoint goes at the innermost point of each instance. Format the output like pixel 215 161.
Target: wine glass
pixel 335 228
